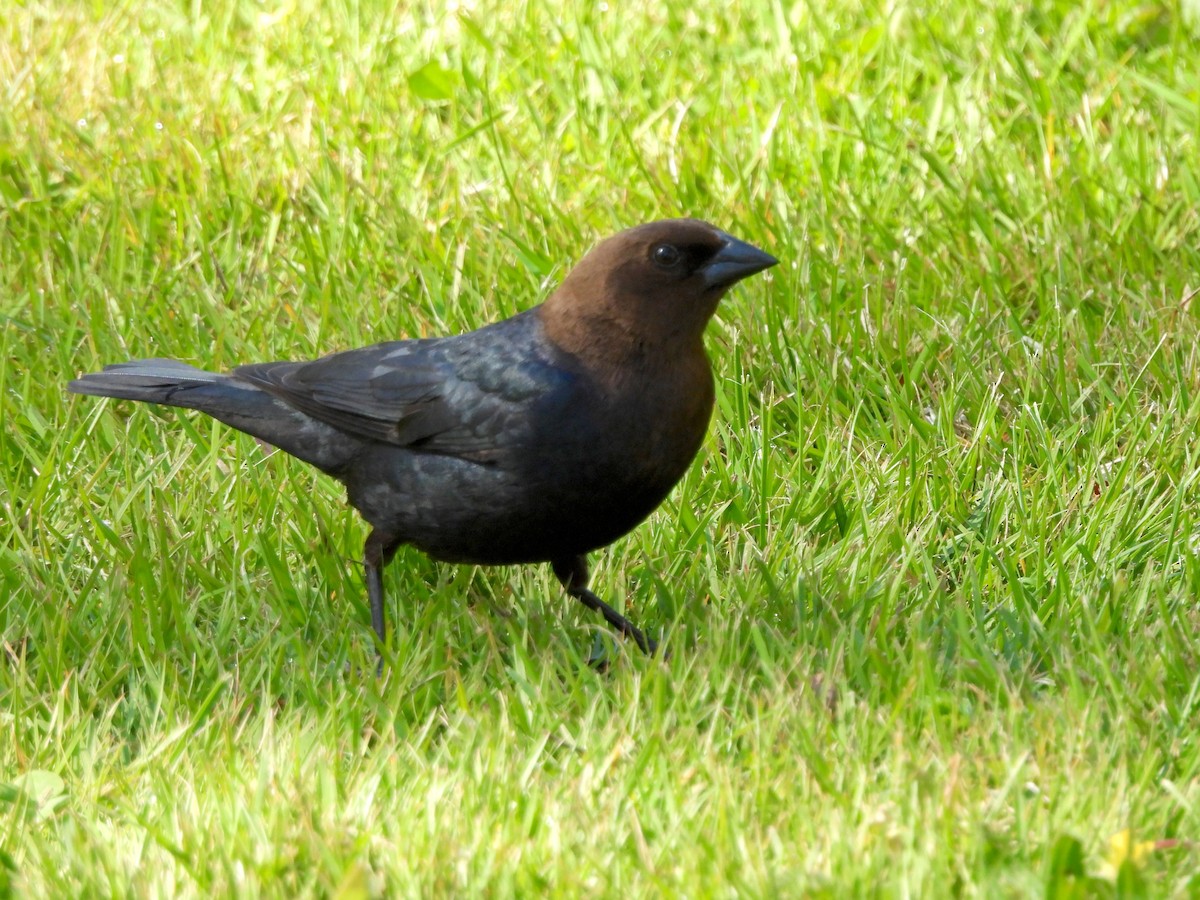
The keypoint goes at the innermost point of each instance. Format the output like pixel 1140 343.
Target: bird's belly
pixel 529 510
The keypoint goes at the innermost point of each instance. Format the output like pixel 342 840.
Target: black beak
pixel 733 262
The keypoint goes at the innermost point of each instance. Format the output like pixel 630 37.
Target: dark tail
pixel 149 380
pixel 227 398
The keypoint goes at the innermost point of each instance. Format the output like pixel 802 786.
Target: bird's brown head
pixel 649 289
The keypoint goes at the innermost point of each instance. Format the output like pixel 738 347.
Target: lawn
pixel 930 587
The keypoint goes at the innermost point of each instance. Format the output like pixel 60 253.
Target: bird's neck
pixel 614 349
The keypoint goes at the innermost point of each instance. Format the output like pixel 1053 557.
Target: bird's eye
pixel 666 256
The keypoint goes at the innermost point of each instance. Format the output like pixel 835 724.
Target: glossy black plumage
pixel 537 438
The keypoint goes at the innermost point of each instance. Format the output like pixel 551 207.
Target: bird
pixel 535 439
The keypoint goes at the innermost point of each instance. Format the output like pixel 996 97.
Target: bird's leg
pixel 378 552
pixel 573 573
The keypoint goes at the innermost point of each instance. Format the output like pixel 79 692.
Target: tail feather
pixel 148 380
pixel 228 398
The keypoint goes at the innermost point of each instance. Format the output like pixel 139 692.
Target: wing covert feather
pixel 463 396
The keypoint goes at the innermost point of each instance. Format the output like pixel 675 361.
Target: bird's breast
pixel 618 455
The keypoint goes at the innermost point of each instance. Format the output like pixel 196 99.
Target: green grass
pixel 931 586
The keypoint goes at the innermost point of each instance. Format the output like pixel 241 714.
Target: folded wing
pixel 467 396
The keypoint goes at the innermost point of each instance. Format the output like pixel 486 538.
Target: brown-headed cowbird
pixel 535 439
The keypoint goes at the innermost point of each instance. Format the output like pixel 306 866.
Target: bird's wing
pixel 462 396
